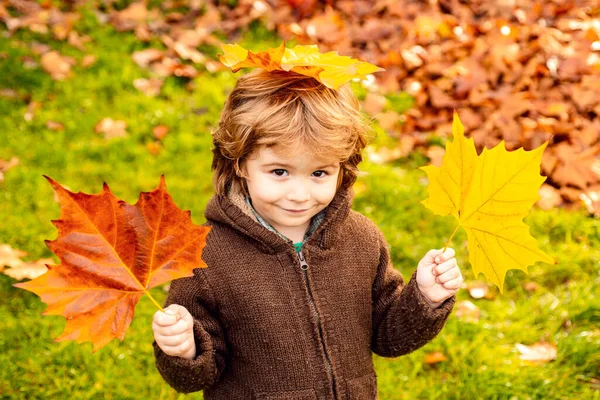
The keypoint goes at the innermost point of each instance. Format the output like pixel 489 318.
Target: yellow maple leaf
pixel 329 68
pixel 489 195
pixel 236 57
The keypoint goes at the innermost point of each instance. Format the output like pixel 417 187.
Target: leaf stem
pixel 451 236
pixel 154 301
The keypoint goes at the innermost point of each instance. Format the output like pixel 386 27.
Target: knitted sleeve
pixel 186 375
pixel 402 319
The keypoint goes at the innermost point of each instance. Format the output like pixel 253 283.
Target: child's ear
pixel 240 169
pixel 245 187
pixel 241 172
pixel 340 178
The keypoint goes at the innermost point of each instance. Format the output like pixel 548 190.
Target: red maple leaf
pixel 111 254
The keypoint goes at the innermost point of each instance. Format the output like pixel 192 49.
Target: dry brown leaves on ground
pixel 18 268
pixel 523 72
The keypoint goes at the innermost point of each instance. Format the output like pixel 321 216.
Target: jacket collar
pixel 234 212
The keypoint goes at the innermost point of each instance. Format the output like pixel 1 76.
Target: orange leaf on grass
pixel 434 358
pixel 111 254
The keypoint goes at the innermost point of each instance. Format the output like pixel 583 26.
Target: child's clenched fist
pixel 438 276
pixel 174 331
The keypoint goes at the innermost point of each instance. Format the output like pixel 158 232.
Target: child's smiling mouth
pixel 295 211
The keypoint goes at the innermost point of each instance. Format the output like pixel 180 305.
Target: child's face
pixel 287 191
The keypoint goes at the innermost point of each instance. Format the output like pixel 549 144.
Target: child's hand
pixel 438 276
pixel 174 331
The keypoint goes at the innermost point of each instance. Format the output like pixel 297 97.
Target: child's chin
pixel 294 223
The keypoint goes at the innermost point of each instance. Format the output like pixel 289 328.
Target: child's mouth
pixel 295 211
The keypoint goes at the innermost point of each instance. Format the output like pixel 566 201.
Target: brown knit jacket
pixel 269 326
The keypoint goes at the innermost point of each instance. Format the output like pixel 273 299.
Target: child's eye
pixel 320 174
pixel 279 172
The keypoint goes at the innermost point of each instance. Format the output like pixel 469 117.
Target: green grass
pixel 482 359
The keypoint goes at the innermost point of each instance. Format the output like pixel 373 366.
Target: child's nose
pixel 299 193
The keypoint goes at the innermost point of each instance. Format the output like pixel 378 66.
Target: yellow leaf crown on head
pixel 331 69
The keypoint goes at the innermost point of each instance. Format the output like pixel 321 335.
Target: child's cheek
pixel 328 191
pixel 270 190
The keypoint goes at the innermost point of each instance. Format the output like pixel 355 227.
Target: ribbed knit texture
pixel 258 335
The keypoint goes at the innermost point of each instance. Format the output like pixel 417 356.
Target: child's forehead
pixel 278 152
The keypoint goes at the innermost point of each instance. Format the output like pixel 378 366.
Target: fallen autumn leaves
pixel 523 73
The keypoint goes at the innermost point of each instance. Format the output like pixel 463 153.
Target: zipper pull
pixel 303 263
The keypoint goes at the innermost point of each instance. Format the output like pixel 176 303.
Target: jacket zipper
pixel 304 267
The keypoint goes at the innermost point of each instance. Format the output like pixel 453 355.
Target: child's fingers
pixel 177 350
pixel 170 317
pixel 447 255
pixel 449 275
pixel 162 319
pixel 179 327
pixel 171 341
pixel 453 284
pixel 445 266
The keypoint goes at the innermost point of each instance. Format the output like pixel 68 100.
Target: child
pixel 299 289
